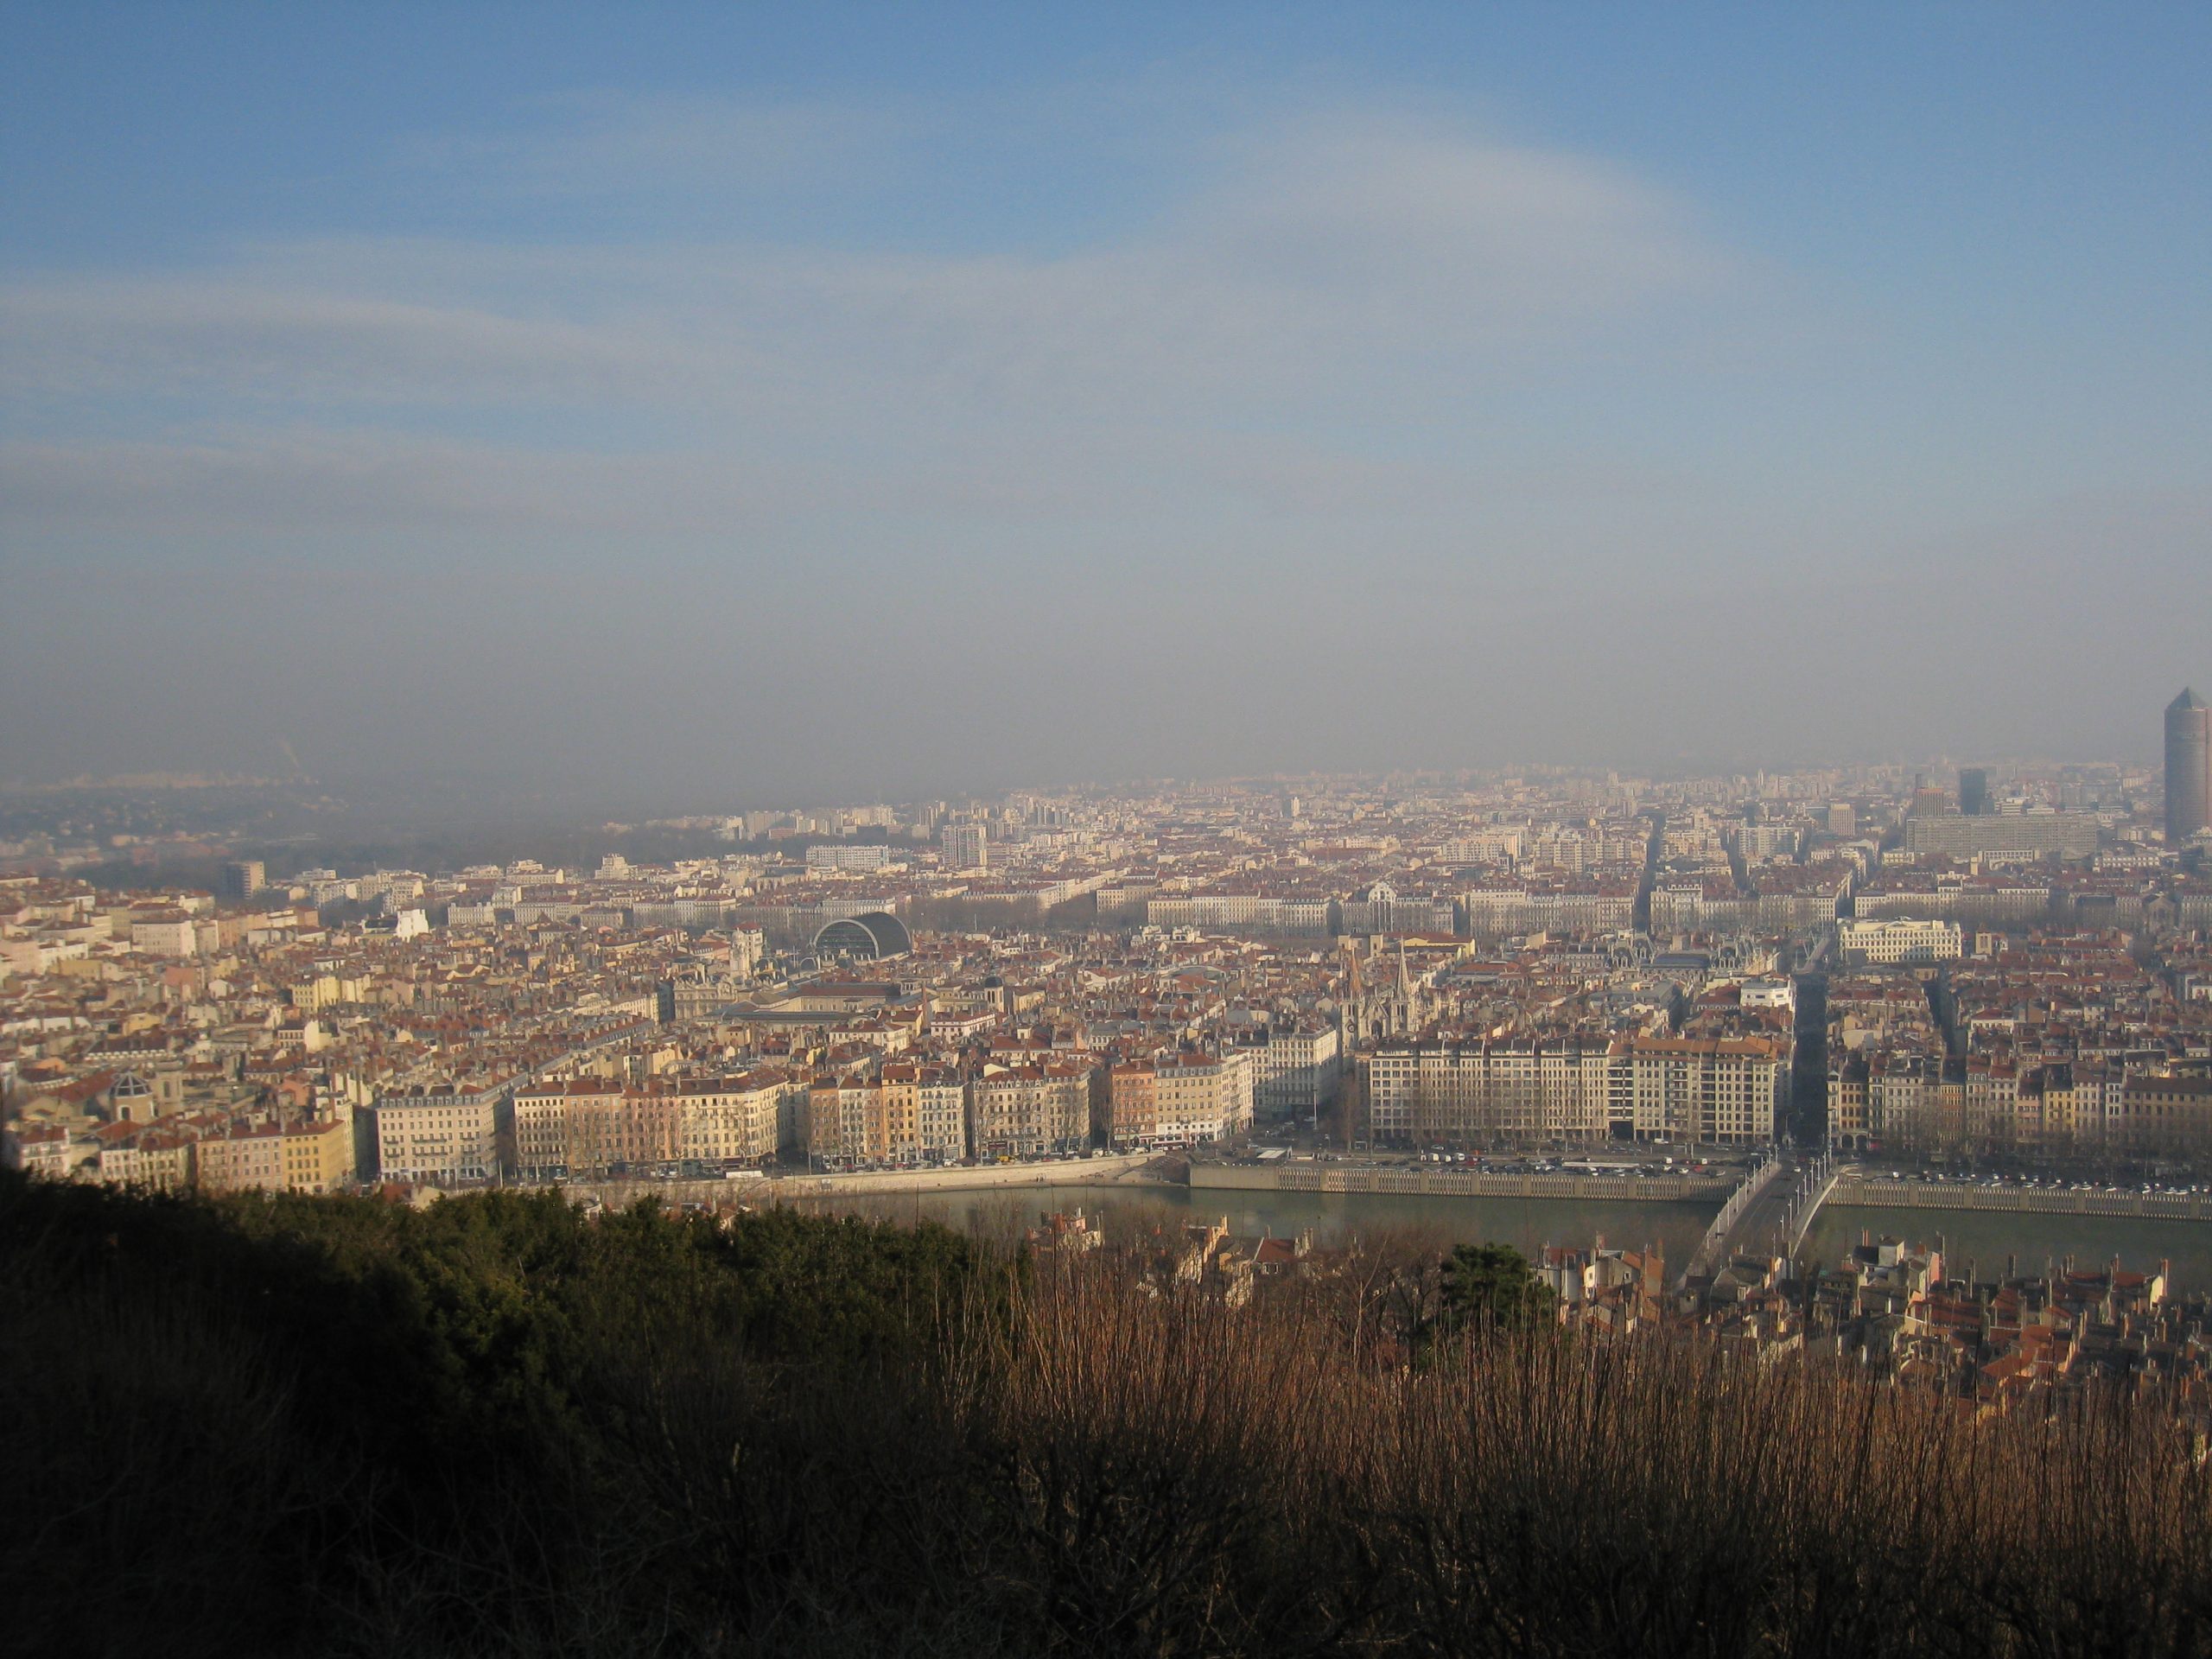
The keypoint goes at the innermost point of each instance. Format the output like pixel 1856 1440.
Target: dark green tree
pixel 1490 1286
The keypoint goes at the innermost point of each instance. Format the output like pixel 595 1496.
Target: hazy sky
pixel 827 401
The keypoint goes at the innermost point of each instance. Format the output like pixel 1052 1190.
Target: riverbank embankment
pixel 1420 1182
pixel 1130 1168
pixel 1854 1191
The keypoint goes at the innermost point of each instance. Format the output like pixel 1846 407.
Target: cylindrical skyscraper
pixel 2189 767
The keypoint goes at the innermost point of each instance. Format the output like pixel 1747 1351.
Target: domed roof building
pixel 870 938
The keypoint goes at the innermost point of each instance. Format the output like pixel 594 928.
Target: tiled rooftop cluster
pixel 1999 1335
pixel 2063 1044
pixel 1540 955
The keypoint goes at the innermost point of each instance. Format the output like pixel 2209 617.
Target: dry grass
pixel 1059 1460
pixel 1103 1470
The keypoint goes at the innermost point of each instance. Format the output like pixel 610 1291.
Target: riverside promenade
pixel 1301 1176
pixel 1123 1168
pixel 1853 1189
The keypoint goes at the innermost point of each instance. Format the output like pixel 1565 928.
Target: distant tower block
pixel 2189 766
pixel 1973 791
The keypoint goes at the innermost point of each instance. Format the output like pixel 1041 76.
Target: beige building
pixel 1459 1093
pixel 911 1114
pixel 1032 1111
pixel 1296 1071
pixel 318 1157
pixel 1712 1090
pixel 2169 1115
pixel 925 1113
pixel 2070 835
pixel 590 1126
pixel 1897 939
pixel 166 1162
pixel 441 1137
pixel 245 1159
pixel 731 1120
pixel 1198 1097
pixel 844 1119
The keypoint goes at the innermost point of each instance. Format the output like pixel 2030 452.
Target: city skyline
pixel 1968 787
pixel 988 829
pixel 869 402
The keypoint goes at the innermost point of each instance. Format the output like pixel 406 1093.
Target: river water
pixel 1526 1223
pixel 1969 1237
pixel 1983 1240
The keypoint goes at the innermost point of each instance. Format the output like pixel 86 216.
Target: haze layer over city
pixel 1172 832
pixel 907 404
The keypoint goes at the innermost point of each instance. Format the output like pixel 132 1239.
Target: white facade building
pixel 441 1138
pixel 1898 939
pixel 1297 1071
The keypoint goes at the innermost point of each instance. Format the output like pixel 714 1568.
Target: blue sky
pixel 793 401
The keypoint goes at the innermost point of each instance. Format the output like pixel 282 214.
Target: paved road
pixel 1762 1230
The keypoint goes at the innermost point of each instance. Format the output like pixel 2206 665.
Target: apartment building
pixel 1469 1092
pixel 1182 1100
pixel 1247 912
pixel 1200 1098
pixel 731 1120
pixel 592 1126
pixel 1032 1111
pixel 167 1162
pixel 318 1156
pixel 1133 1105
pixel 911 1114
pixel 441 1137
pixel 925 1113
pixel 1591 906
pixel 966 846
pixel 859 857
pixel 243 1160
pixel 1295 1071
pixel 1723 1090
pixel 2067 835
pixel 170 935
pixel 1714 1090
pixel 844 1122
pixel 2170 1115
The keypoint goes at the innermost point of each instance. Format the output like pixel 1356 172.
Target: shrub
pixel 305 1426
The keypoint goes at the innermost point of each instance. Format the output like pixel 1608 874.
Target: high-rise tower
pixel 2189 767
pixel 1973 791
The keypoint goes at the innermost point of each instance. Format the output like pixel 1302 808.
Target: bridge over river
pixel 1768 1214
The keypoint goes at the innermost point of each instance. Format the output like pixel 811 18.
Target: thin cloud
pixel 1199 405
pixel 1364 250
pixel 611 142
pixel 305 345
pixel 1441 231
pixel 308 483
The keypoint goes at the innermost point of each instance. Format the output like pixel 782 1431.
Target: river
pixel 1526 1223
pixel 1981 1239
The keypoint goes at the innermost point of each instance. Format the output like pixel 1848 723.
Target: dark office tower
pixel 2189 767
pixel 1973 791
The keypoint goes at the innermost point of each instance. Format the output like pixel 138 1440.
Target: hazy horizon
pixel 867 403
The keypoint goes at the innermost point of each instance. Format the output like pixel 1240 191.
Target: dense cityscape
pixel 1998 979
